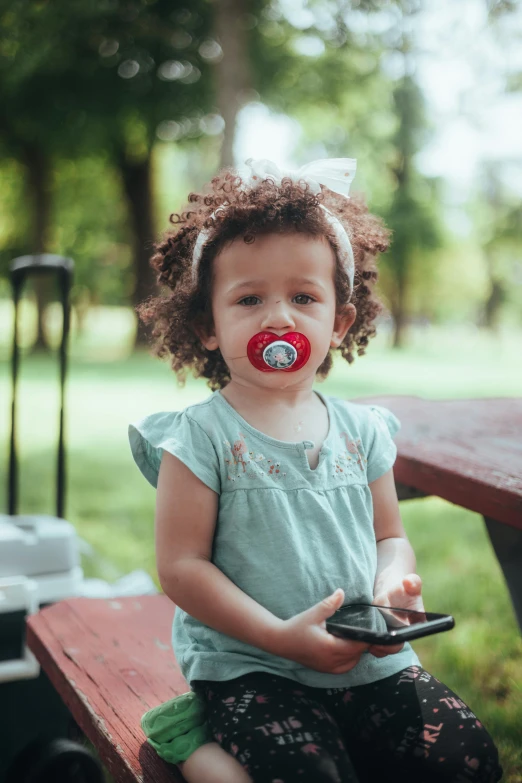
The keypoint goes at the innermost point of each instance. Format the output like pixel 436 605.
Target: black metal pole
pixel 12 490
pixel 19 269
pixel 60 468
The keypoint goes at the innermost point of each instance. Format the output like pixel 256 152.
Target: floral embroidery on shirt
pixel 354 453
pixel 243 463
pixel 238 450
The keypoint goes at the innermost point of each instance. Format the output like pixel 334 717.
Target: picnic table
pixel 468 452
pixel 111 660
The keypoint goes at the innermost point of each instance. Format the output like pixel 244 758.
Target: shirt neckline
pixel 284 444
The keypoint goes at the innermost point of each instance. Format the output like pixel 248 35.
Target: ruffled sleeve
pixel 181 436
pixel 381 450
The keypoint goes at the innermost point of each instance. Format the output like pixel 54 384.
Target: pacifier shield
pixel 280 355
pixel 269 352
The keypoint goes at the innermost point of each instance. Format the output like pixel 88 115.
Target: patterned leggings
pixel 406 727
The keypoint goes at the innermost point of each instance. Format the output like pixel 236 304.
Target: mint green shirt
pixel 286 535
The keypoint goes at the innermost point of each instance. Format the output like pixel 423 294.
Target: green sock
pixel 176 728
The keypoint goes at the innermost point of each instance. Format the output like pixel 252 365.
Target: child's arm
pixel 186 512
pixel 396 583
pixel 395 556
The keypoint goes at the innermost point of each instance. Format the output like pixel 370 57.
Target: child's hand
pixel 405 594
pixel 305 640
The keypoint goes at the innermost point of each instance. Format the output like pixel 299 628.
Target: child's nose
pixel 278 318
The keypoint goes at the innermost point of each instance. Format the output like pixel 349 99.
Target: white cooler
pixel 39 564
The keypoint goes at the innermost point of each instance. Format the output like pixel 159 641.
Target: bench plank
pixel 466 451
pixel 111 660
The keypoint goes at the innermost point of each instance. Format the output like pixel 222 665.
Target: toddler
pixel 276 504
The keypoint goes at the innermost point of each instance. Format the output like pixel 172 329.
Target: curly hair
pixel 183 307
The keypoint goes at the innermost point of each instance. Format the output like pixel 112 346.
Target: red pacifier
pixel 268 352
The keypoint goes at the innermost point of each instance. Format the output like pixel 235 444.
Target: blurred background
pixel 111 111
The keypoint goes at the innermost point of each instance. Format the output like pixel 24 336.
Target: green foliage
pixel 414 206
pixel 78 74
pixel 100 85
pixel 15 222
pixel 93 231
pixel 359 107
pixel 94 85
pixel 446 285
pixel 385 121
pixel 314 65
pixel 497 215
pixel 97 238
pixel 87 88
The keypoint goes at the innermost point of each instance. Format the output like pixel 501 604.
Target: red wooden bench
pixel 111 660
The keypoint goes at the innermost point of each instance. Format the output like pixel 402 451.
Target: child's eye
pixel 248 301
pixel 303 299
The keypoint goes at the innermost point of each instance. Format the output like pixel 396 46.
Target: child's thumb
pixel 329 605
pixel 412 584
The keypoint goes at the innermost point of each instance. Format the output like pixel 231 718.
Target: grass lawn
pixel 112 506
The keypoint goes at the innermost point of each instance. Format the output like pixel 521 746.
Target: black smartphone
pixel 385 624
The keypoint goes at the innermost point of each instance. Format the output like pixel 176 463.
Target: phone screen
pixel 380 619
pixel 386 625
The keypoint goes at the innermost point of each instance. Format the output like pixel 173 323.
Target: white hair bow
pixel 334 173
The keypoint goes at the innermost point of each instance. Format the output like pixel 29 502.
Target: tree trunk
pixel 496 297
pixel 399 315
pixel 136 179
pixel 39 182
pixel 493 305
pixel 233 72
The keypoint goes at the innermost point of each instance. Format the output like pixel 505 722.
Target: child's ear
pixel 342 323
pixel 207 337
pixel 210 343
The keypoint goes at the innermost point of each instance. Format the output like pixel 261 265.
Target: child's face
pixel 278 283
